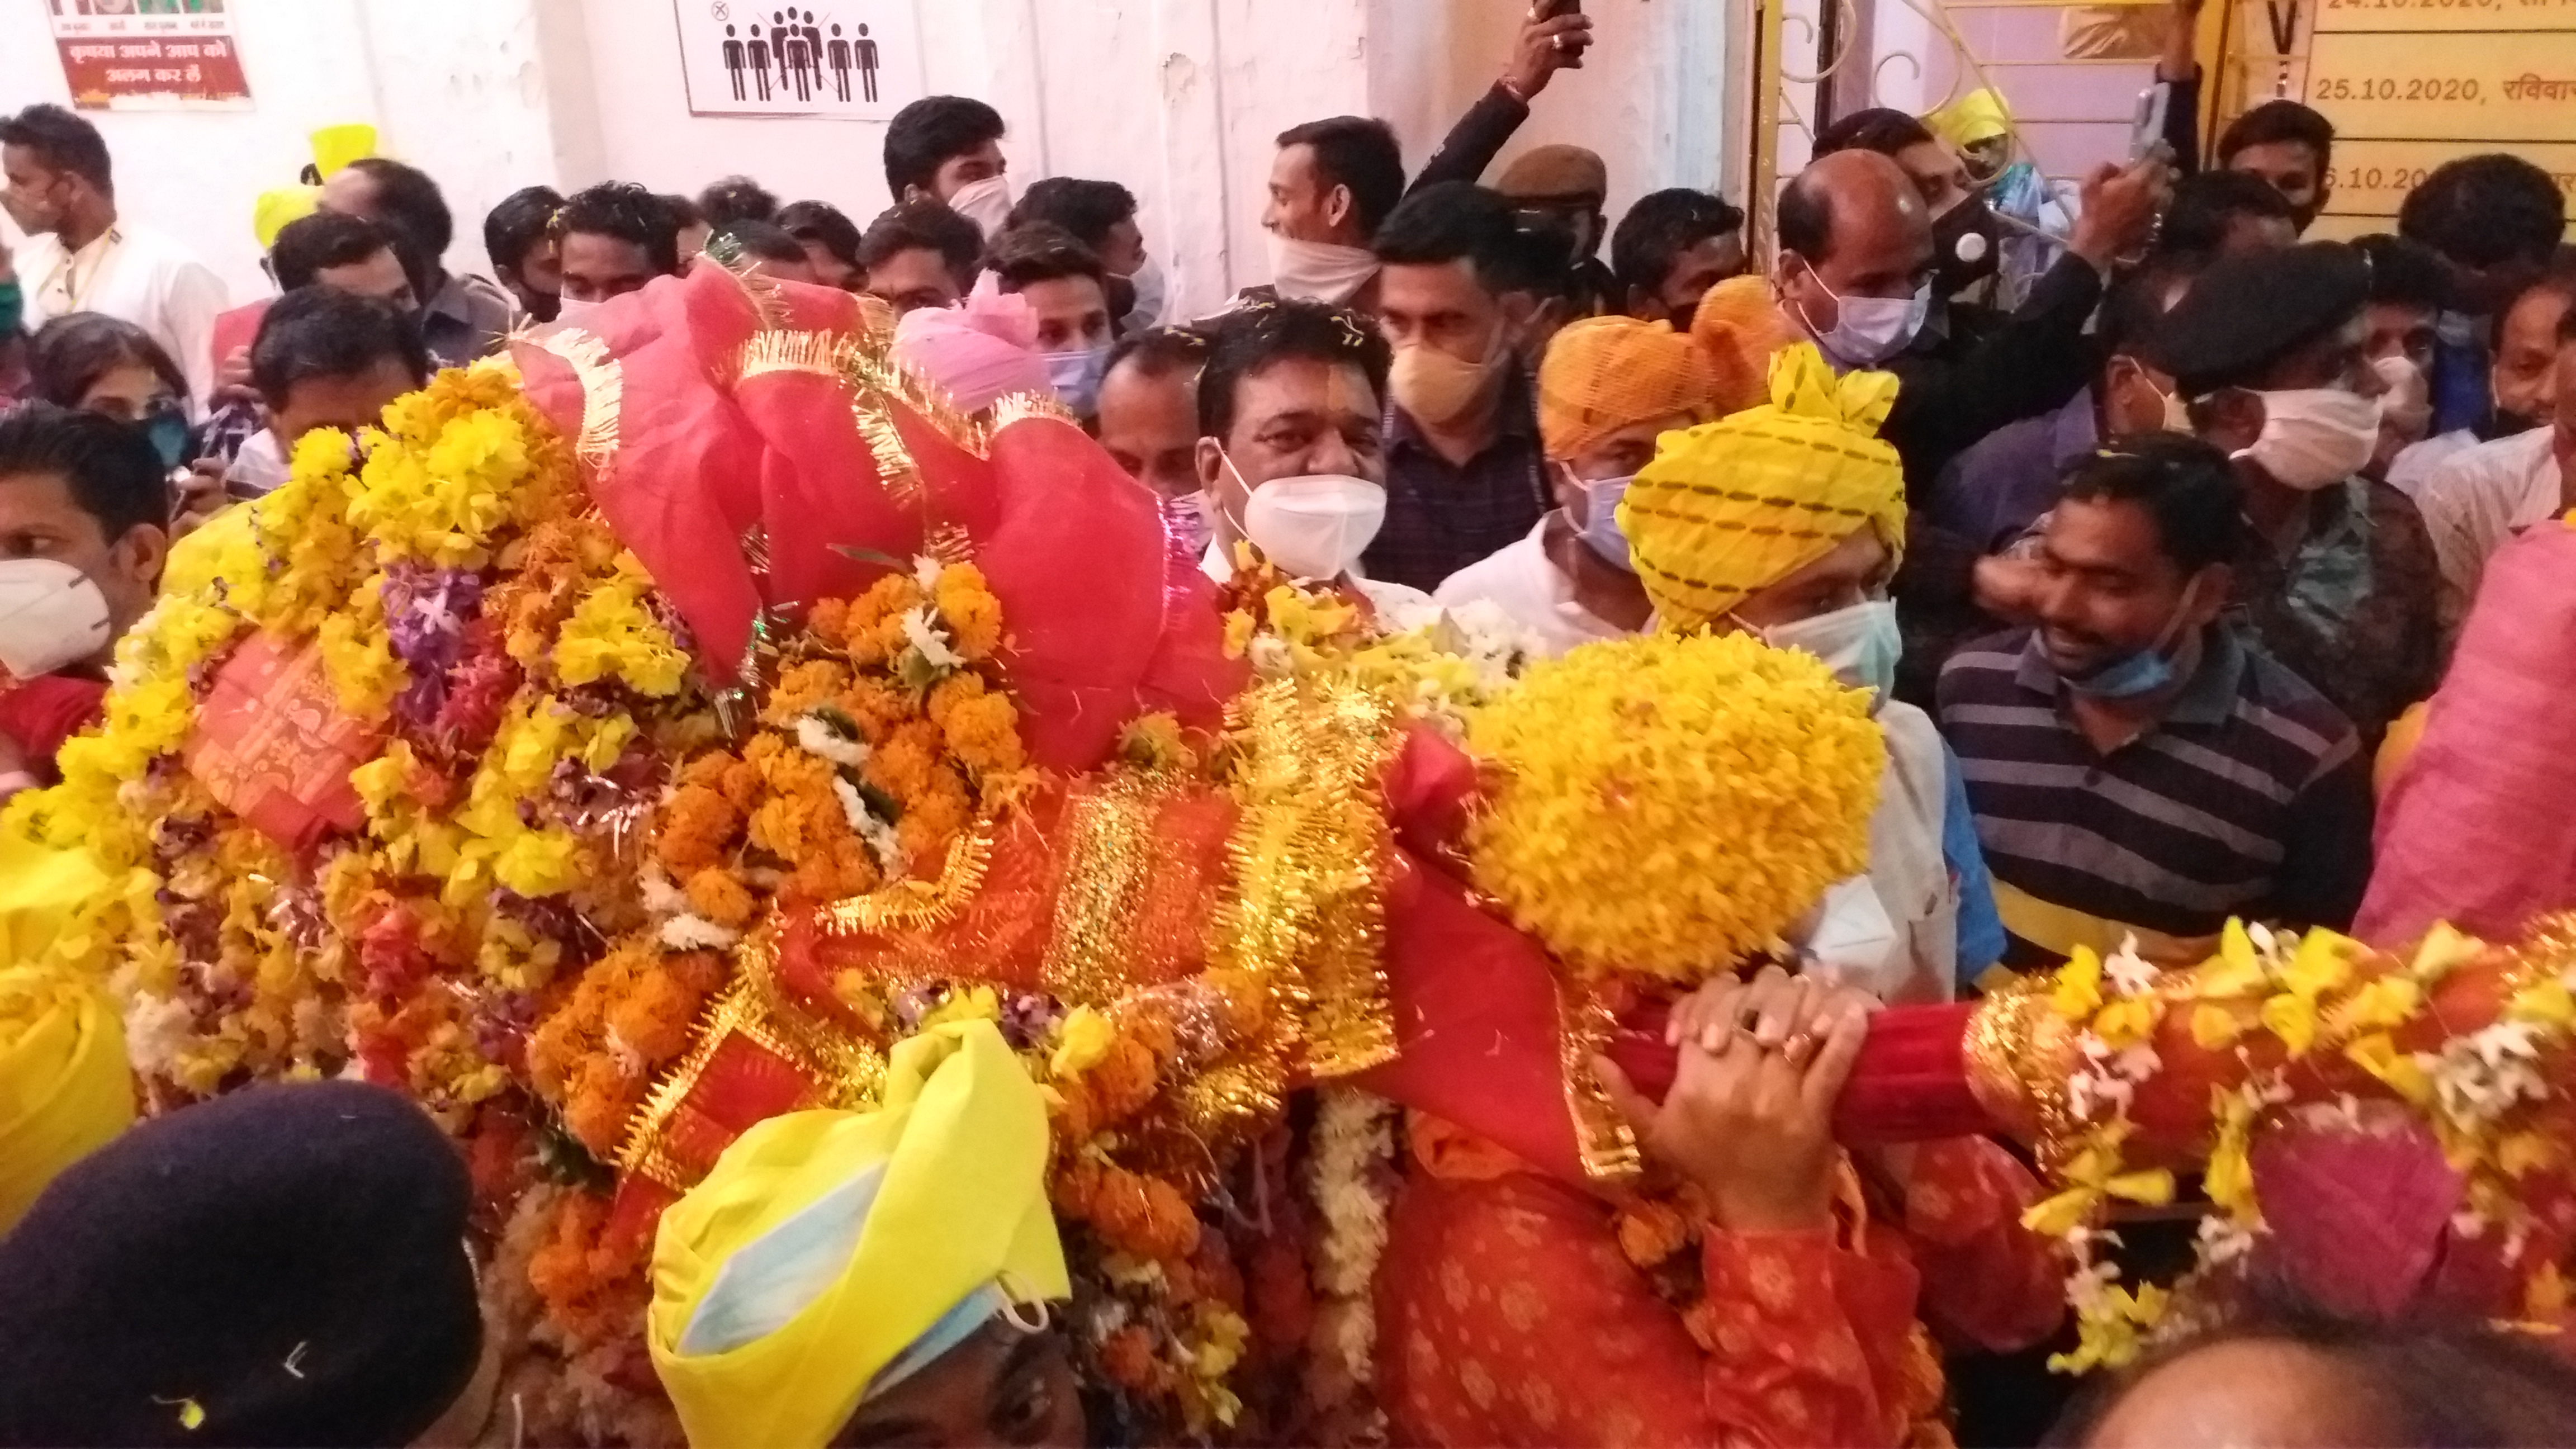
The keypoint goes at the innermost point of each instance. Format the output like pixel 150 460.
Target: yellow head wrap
pixel 1980 115
pixel 1734 506
pixel 334 147
pixel 64 1085
pixel 782 1288
pixel 1607 373
pixel 278 206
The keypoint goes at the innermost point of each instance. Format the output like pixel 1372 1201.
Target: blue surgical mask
pixel 2140 672
pixel 167 427
pixel 1076 376
pixel 1601 531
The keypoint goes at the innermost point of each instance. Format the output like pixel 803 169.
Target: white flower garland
pixel 1350 1170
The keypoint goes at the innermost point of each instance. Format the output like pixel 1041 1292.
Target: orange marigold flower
pixel 653 1020
pixel 829 619
pixel 803 686
pixel 973 615
pixel 706 770
pixel 1127 1357
pixel 697 827
pixel 742 785
pixel 716 894
pixel 949 693
pixel 877 707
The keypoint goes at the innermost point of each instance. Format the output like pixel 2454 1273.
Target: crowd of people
pixel 2154 532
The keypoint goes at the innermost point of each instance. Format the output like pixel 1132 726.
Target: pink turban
pixel 976 353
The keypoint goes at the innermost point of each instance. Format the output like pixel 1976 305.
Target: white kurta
pixel 138 275
pixel 1530 590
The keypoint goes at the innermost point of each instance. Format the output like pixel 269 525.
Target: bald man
pixel 1854 276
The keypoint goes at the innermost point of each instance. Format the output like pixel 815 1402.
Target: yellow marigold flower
pixel 612 636
pixel 2443 947
pixel 2378 1055
pixel 1671 804
pixel 2128 1022
pixel 1238 633
pixel 2294 1020
pixel 2213 1027
pixel 2546 1000
pixel 360 662
pixel 2078 993
pixel 1082 1041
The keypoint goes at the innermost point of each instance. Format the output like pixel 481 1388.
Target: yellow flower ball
pixel 1671 804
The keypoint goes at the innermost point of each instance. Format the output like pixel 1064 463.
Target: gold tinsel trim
pixel 918 905
pixel 1602 1137
pixel 1020 407
pixel 1109 858
pixel 603 393
pixel 808 352
pixel 1309 858
pixel 876 371
pixel 850 1072
pixel 2016 1053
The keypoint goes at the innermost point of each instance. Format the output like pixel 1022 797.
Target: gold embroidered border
pixel 1109 856
pixel 1019 407
pixel 809 352
pixel 1309 857
pixel 603 392
pixel 2016 1053
pixel 918 905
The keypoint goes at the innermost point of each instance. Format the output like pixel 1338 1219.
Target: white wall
pixel 1179 100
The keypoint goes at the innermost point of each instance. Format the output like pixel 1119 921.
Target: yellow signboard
pixel 2410 84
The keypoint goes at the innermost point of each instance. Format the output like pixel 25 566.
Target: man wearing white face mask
pixel 1289 450
pixel 1854 276
pixel 1331 185
pixel 1102 216
pixel 1610 387
pixel 1464 473
pixel 84 531
pixel 2405 304
pixel 1786 521
pixel 1068 291
pixel 949 149
pixel 2340 583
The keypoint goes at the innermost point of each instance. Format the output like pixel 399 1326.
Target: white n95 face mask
pixel 1304 271
pixel 2407 406
pixel 1152 291
pixel 51 616
pixel 987 203
pixel 1314 526
pixel 2315 437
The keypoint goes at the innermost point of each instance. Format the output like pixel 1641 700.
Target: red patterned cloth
pixel 1509 1315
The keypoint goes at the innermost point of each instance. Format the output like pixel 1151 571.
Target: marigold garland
pixel 1626 849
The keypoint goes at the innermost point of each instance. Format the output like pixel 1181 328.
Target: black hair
pixel 821 221
pixel 1359 153
pixel 69 354
pixel 925 134
pixel 325 332
pixel 1160 351
pixel 1461 221
pixel 2482 210
pixel 2207 203
pixel 1041 251
pixel 112 470
pixel 2402 273
pixel 736 198
pixel 1879 128
pixel 2277 121
pixel 629 213
pixel 925 226
pixel 62 142
pixel 307 244
pixel 1250 339
pixel 2187 486
pixel 756 241
pixel 2439 1382
pixel 1804 219
pixel 1662 226
pixel 515 225
pixel 2136 302
pixel 410 200
pixel 1088 209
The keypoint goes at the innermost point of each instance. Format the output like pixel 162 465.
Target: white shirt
pixel 1401 608
pixel 2414 466
pixel 138 275
pixel 2479 500
pixel 1528 587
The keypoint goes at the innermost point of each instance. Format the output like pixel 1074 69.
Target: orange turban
pixel 1607 373
pixel 1732 507
pixel 1739 328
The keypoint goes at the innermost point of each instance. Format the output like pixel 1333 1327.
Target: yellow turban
pixel 334 147
pixel 1980 115
pixel 1731 507
pixel 1607 373
pixel 827 1244
pixel 65 1088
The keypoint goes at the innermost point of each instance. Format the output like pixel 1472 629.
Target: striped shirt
pixel 2247 798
